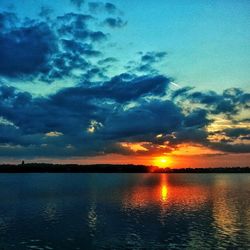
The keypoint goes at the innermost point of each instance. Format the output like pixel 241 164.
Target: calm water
pixel 124 211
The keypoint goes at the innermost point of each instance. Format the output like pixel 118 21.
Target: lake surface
pixel 124 211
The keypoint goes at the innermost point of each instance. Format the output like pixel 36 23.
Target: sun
pixel 162 161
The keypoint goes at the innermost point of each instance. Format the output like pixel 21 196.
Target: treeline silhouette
pixel 109 168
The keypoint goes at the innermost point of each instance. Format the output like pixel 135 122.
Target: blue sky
pixel 206 41
pixel 79 77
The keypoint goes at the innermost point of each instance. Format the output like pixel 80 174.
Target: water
pixel 124 211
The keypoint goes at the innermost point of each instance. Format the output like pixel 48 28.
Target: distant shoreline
pixel 109 168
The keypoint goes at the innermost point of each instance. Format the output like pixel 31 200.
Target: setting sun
pixel 162 161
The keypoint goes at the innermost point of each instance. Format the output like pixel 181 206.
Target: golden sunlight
pixel 164 192
pixel 162 161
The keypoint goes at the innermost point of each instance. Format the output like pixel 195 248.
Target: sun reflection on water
pixel 164 189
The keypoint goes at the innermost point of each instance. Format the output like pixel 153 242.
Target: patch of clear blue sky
pixel 207 40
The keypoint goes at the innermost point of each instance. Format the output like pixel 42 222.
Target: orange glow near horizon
pixel 162 161
pixel 176 159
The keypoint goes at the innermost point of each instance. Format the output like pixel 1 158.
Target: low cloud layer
pixel 95 120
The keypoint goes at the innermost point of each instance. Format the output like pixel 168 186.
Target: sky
pixel 145 82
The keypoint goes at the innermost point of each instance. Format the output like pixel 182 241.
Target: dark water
pixel 124 211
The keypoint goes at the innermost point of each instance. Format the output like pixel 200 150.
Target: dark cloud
pixel 107 60
pixel 189 135
pixel 181 92
pixel 25 50
pixel 121 89
pixel 230 102
pixel 95 118
pixel 231 148
pixel 209 98
pixel 7 20
pixel 77 3
pixel 150 117
pixel 111 8
pixel 72 111
pixel 153 57
pixel 48 50
pixel 114 22
pixel 75 26
pixel 52 48
pixel 96 7
pixel 237 132
pixel 9 134
pixel 198 119
pixel 79 104
pixel 147 62
pixel 45 12
pixel 77 48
